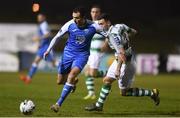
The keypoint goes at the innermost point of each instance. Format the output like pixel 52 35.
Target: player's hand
pixel 117 74
pixel 35 38
pixel 45 55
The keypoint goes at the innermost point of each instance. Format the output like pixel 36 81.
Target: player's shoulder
pixel 44 24
pixel 95 22
pixel 95 25
pixel 90 22
pixel 122 26
pixel 67 24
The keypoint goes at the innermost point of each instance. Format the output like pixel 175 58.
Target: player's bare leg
pixel 67 88
pixel 61 79
pixel 27 79
pixel 75 82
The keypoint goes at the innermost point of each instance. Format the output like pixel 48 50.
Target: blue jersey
pixel 43 29
pixel 77 49
pixel 79 39
pixel 44 42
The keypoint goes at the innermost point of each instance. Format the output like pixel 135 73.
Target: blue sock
pixel 66 90
pixel 33 70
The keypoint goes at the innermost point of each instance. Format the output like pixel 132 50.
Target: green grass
pixel 44 92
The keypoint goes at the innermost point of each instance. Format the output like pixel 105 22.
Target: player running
pixel 76 51
pixel 91 70
pixel 123 67
pixel 44 37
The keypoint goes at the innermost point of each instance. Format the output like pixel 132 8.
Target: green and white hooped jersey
pixel 97 43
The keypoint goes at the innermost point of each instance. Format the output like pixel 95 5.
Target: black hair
pixel 96 6
pixel 104 16
pixel 81 10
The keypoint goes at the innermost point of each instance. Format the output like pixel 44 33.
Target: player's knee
pixel 71 78
pixel 74 72
pixel 91 73
pixel 88 74
pixel 107 80
pixel 72 75
pixel 94 73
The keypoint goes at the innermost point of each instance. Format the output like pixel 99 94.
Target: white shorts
pixel 94 60
pixel 126 75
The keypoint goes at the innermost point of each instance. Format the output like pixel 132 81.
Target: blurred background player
pixel 76 51
pixel 93 63
pixel 123 67
pixel 44 39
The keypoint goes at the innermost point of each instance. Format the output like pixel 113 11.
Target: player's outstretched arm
pixel 53 42
pixel 132 32
pixel 61 32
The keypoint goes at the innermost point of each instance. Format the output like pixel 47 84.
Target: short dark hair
pixel 104 16
pixel 81 10
pixel 96 6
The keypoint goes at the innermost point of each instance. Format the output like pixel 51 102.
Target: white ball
pixel 27 107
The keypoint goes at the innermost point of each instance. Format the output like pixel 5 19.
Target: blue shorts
pixel 70 61
pixel 41 52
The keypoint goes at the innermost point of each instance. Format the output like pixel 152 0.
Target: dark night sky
pixel 131 10
pixel 157 21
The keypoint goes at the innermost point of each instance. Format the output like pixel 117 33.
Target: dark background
pixel 157 21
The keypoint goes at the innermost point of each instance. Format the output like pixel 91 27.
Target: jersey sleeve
pixel 45 28
pixel 64 29
pixel 99 29
pixel 126 27
pixel 60 33
pixel 115 41
pixel 122 28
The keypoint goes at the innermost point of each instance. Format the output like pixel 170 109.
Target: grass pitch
pixel 44 92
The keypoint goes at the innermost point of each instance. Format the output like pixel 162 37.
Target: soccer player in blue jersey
pixel 44 38
pixel 76 51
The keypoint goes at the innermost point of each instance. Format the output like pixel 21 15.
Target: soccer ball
pixel 27 107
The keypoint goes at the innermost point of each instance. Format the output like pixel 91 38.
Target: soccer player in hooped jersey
pixel 76 51
pixel 44 37
pixel 123 67
pixel 91 70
